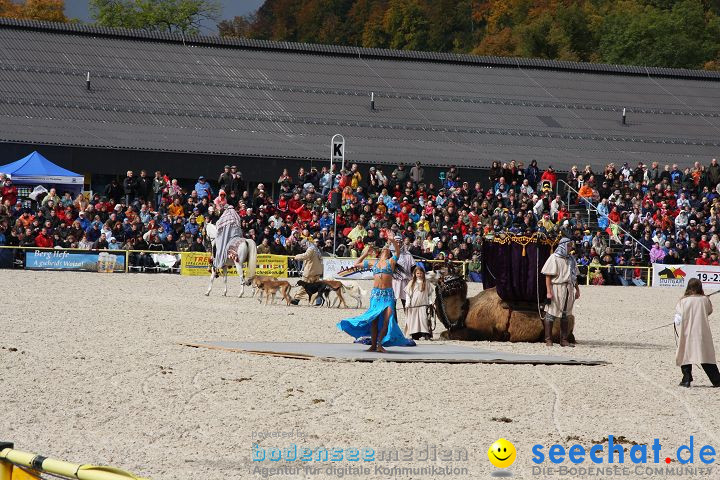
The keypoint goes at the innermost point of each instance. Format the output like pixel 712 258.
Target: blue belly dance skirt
pixel 380 300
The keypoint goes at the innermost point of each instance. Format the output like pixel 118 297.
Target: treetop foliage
pixel 666 33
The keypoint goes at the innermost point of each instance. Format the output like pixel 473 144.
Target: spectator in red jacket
pixel 703 244
pixel 43 240
pixel 295 203
pixel 614 216
pixel 303 213
pixel 550 175
pixel 703 259
pixel 9 192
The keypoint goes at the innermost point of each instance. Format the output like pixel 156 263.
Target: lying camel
pixel 490 318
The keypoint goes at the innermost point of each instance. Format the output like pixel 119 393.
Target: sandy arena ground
pixel 99 376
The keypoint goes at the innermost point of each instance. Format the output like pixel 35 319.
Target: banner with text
pixel 678 275
pixel 103 262
pixel 197 263
pixel 342 269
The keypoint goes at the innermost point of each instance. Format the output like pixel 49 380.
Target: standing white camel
pixel 230 248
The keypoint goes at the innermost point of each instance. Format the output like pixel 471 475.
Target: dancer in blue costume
pixel 379 320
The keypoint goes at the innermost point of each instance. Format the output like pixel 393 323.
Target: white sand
pixel 99 376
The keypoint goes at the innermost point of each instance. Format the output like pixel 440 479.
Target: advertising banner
pixel 342 268
pixel 678 276
pixel 197 263
pixel 271 265
pixel 103 262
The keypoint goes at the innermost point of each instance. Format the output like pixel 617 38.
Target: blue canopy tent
pixel 38 170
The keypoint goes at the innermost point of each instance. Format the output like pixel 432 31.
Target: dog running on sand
pixel 271 287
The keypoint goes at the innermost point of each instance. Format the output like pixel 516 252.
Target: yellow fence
pixel 17 465
pixel 196 264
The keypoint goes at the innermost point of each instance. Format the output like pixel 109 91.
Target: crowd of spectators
pixel 671 214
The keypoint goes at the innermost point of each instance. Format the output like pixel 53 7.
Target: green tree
pixel 374 35
pixel 358 18
pixel 557 33
pixel 182 16
pixel 676 33
pixel 406 25
pixel 451 25
pixel 323 21
pixel 683 37
pixel 276 20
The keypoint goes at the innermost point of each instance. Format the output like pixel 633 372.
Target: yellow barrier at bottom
pixel 6 470
pixel 11 460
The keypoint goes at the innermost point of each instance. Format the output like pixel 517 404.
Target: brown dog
pixel 257 282
pixel 337 287
pixel 271 287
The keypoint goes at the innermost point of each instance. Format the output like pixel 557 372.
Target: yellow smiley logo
pixel 502 453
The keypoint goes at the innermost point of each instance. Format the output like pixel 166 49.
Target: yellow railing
pixel 34 465
pixel 462 265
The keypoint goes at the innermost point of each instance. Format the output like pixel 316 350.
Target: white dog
pixel 353 290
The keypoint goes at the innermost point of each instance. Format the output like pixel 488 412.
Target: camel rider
pixel 229 233
pixel 312 268
pixel 404 274
pixel 560 272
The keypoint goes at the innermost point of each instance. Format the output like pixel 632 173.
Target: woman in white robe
pixel 418 293
pixel 695 344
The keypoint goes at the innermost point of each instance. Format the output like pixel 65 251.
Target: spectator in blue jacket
pixel 203 188
pixel 191 226
pixel 326 221
pixel 84 222
pixel 93 232
pixel 113 244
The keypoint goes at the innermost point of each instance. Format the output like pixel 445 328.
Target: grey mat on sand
pixel 423 352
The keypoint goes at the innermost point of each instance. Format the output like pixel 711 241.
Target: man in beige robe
pixel 560 272
pixel 312 268
pixel 695 344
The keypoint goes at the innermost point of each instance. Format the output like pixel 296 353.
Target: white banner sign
pixel 678 275
pixel 342 268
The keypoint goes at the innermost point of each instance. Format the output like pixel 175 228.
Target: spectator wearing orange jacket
pixel 175 209
pixel 586 191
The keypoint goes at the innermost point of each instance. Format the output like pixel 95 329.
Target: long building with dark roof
pixel 162 101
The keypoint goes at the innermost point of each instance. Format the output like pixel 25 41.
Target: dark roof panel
pixel 259 98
